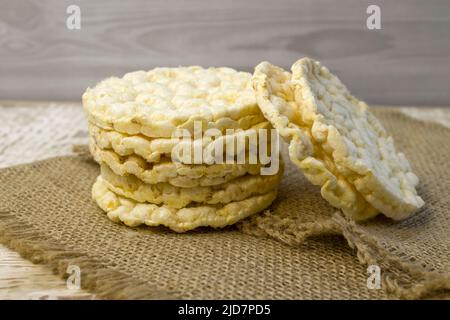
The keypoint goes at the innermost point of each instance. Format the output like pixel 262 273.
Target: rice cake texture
pixel 164 193
pixel 175 173
pixel 153 149
pixel 133 214
pixel 336 141
pixel 157 102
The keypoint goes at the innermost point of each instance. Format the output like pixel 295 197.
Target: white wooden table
pixel 19 278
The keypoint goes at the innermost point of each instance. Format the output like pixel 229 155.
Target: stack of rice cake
pixel 135 124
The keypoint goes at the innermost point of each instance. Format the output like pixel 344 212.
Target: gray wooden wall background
pixel 407 62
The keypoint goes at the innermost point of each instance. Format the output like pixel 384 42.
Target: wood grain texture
pixel 407 62
pixel 21 279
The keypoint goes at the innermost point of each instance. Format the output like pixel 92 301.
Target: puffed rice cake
pixel 164 193
pixel 336 141
pixel 175 173
pixel 132 213
pixel 157 102
pixel 153 149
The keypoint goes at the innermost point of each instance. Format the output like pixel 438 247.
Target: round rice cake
pixel 164 193
pixel 359 145
pixel 275 96
pixel 132 213
pixel 153 149
pixel 343 148
pixel 177 174
pixel 157 102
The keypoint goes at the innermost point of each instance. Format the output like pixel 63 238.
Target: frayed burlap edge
pixel 290 232
pixel 99 279
pixel 423 284
pixel 369 252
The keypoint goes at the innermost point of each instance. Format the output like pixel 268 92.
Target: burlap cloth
pixel 300 249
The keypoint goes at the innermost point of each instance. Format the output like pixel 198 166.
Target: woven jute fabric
pixel 299 249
